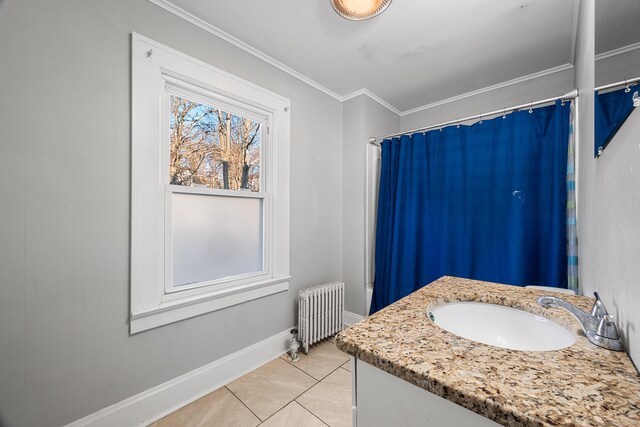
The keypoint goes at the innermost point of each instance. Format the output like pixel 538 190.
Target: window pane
pixel 215 237
pixel 212 148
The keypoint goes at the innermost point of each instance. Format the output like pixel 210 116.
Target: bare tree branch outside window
pixel 212 148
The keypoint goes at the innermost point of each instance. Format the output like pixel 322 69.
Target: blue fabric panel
pixel 612 109
pixel 485 201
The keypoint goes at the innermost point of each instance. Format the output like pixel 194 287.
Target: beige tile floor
pixel 312 392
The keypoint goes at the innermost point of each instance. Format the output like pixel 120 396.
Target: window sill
pixel 185 308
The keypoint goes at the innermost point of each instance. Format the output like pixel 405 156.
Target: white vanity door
pixel 383 400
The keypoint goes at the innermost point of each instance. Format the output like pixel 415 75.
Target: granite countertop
pixel 581 385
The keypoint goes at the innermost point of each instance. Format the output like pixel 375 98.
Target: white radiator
pixel 320 310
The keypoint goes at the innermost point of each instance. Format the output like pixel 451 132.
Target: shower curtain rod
pixel 629 82
pixel 569 95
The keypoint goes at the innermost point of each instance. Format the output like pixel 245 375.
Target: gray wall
pixel 509 96
pixel 616 231
pixel 617 68
pixel 64 215
pixel 614 224
pixel 362 118
pixel 353 184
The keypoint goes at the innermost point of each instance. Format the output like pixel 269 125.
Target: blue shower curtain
pixel 486 201
pixel 612 109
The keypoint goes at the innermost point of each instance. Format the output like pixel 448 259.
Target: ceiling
pixel 617 24
pixel 416 53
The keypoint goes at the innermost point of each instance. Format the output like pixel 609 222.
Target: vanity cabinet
pixel 383 400
pixel 428 376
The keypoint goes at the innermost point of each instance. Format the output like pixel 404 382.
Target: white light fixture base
pixel 359 10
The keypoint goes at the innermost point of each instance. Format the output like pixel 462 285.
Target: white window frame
pixel 194 93
pixel 157 70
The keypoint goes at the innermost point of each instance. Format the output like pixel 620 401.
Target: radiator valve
pixel 294 345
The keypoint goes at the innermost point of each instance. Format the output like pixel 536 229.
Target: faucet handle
pixel 607 328
pixel 606 334
pixel 598 310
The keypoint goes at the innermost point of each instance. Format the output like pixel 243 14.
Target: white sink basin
pixel 501 326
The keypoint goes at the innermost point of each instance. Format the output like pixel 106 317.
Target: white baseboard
pixel 155 403
pixel 349 318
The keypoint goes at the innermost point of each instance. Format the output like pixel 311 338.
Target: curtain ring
pixel 531 108
pixel 504 114
pixel 480 122
pixel 458 125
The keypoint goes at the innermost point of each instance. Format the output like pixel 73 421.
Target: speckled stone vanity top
pixel 582 385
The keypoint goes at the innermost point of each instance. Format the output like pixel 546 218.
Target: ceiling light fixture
pixel 359 10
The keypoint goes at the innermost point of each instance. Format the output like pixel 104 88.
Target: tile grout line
pixel 293 401
pixel 309 411
pixel 274 414
pixel 304 372
pixel 244 404
pixel 321 379
pixel 318 380
pixel 289 402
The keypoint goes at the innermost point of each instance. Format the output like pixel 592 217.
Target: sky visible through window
pixel 212 148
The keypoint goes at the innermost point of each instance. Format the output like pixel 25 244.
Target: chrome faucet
pixel 599 326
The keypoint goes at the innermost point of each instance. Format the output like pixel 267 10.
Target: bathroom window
pixel 210 188
pixel 215 199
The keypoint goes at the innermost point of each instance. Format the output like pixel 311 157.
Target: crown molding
pixel 619 51
pixel 491 88
pixel 373 96
pixel 189 17
pixel 170 7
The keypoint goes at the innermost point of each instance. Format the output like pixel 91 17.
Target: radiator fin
pixel 320 312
